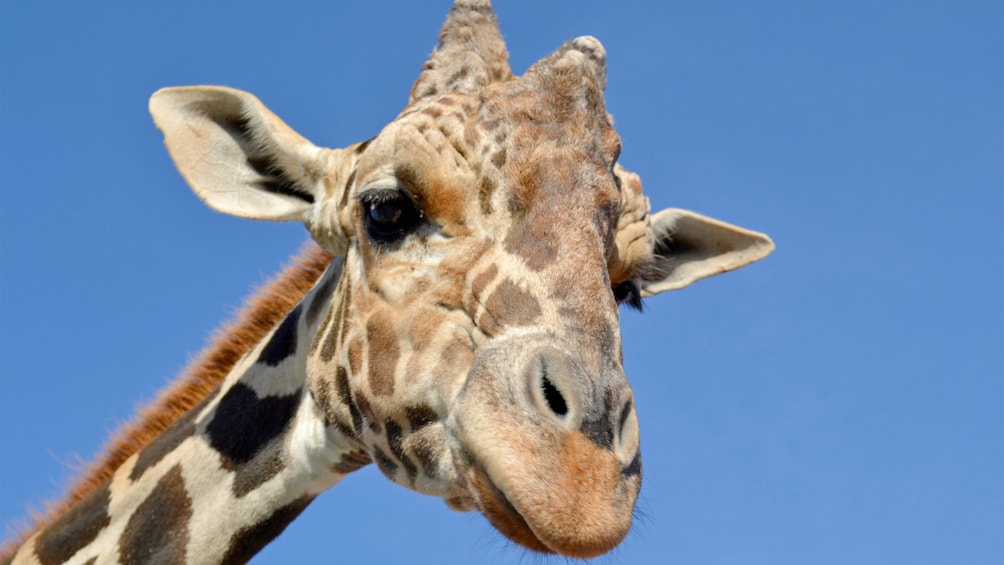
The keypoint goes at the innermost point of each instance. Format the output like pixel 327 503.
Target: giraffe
pixel 454 322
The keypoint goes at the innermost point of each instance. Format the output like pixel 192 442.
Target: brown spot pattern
pixel 325 290
pixel 244 424
pixel 267 463
pixel 486 188
pixel 434 111
pixel 165 443
pixel 383 353
pixel 198 381
pixel 250 540
pixel 531 242
pixel 338 316
pixel 157 532
pixel 482 281
pixel 508 306
pixel 498 159
pixel 282 344
pixel 74 530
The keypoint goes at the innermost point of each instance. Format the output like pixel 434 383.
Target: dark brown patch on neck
pixel 282 344
pixel 244 424
pixel 267 463
pixel 326 289
pixel 74 530
pixel 158 531
pixel 166 442
pixel 246 543
pixel 258 316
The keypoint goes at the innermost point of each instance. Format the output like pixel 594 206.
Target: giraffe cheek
pixel 382 341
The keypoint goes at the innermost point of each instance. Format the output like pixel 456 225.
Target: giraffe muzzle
pixel 549 453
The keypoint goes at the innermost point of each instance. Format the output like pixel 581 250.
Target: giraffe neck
pixel 227 477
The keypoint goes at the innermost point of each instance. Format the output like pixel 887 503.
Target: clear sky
pixel 839 402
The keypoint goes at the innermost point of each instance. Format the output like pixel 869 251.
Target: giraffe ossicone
pixel 458 326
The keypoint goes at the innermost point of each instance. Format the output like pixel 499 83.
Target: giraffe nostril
pixel 550 386
pixel 555 400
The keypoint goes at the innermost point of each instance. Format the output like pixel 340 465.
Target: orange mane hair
pixel 260 313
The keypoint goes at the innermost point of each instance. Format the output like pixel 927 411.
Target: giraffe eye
pixel 389 215
pixel 627 292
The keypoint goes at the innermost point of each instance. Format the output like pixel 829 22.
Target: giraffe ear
pixel 237 156
pixel 690 247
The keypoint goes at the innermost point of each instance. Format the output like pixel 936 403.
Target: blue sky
pixel 840 402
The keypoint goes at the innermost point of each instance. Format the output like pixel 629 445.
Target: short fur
pixel 475 356
pixel 260 313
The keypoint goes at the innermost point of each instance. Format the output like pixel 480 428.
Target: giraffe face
pixel 470 343
pixel 481 353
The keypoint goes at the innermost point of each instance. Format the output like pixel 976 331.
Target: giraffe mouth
pixel 503 515
pixel 573 526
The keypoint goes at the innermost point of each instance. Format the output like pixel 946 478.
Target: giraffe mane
pixel 260 313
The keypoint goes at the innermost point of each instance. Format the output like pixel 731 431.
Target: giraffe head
pixel 468 337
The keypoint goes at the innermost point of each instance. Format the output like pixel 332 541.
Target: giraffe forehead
pixel 548 150
pixel 507 148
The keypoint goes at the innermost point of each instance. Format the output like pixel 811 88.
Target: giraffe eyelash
pixel 389 215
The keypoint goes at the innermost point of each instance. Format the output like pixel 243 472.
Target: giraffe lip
pixel 493 504
pixel 555 526
pixel 503 515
